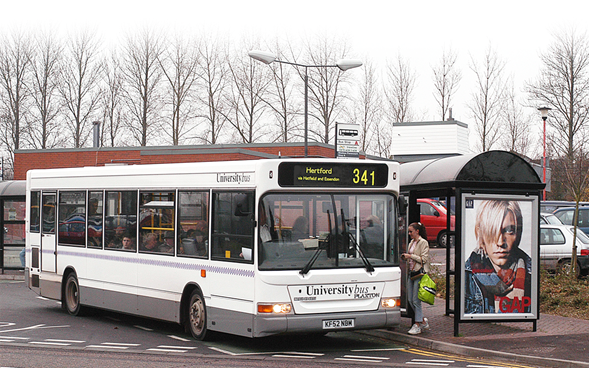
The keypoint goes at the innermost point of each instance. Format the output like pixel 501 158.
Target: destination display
pixel 296 174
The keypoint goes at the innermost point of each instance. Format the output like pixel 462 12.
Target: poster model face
pixel 499 257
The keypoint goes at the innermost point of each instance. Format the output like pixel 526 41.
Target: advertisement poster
pixel 499 257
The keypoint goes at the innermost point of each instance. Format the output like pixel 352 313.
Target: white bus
pixel 252 248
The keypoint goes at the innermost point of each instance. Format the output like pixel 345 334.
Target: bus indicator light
pixel 203 273
pixel 278 308
pixel 390 302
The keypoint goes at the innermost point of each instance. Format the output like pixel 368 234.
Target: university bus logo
pixel 237 178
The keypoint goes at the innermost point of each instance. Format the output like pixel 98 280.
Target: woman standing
pixel 417 258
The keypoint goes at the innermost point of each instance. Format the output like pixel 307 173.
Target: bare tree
pixel 446 80
pixel 279 98
pixel 250 80
pixel 142 76
pixel 15 56
pixel 213 73
pixel 179 64
pixel 383 138
pixel 112 103
pixel 80 73
pixel 399 90
pixel 44 126
pixel 368 111
pixel 326 85
pixel 563 85
pixel 487 99
pixel 516 137
pixel 576 180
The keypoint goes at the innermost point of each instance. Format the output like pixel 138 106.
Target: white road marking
pixel 223 351
pixel 293 356
pixel 294 353
pixel 433 361
pixel 42 298
pixel 143 328
pixel 118 344
pixel 426 363
pixel 176 347
pixel 167 350
pixel 178 338
pixel 107 346
pixel 41 326
pixel 16 338
pixel 4 340
pixel 49 343
pixel 364 357
pixel 6 324
pixel 70 341
pixel 358 360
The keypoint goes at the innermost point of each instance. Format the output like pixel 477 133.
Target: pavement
pixel 558 342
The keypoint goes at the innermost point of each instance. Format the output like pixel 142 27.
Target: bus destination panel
pixel 348 175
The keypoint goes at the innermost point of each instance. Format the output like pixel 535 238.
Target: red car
pixel 433 216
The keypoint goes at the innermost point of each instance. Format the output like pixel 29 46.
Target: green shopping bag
pixel 427 289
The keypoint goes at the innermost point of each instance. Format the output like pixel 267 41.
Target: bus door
pixel 373 225
pixel 48 239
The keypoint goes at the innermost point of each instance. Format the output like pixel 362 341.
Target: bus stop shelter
pixel 468 184
pixel 12 242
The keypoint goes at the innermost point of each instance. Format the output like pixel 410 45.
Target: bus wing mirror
pixel 402 205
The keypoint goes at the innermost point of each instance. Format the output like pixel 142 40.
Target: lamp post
pixel 269 58
pixel 544 111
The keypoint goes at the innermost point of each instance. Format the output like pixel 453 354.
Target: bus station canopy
pixel 12 188
pixel 491 169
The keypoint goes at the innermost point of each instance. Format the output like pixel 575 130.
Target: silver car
pixel 549 218
pixel 556 247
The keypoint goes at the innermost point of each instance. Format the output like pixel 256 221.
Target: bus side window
pixel 193 224
pixel 35 221
pixel 233 226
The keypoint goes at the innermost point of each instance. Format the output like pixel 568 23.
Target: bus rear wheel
pixel 196 319
pixel 71 295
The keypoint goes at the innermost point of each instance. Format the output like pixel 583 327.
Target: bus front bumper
pixel 313 323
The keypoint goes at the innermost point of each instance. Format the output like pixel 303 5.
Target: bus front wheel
pixel 197 316
pixel 71 295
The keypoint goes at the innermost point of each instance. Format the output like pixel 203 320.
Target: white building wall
pixel 427 138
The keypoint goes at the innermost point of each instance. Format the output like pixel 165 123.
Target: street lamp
pixel 268 58
pixel 544 111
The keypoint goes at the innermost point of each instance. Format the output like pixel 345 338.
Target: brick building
pixel 25 160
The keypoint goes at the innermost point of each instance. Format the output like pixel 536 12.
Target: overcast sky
pixel 376 30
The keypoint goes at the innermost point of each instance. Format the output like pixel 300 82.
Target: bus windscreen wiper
pixel 309 264
pixel 369 267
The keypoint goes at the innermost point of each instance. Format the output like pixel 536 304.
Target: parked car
pixel 549 218
pixel 556 247
pixel 551 206
pixel 433 217
pixel 566 216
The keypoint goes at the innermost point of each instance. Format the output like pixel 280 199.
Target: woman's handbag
pixel 417 274
pixel 427 290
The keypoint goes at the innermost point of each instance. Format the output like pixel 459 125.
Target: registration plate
pixel 338 323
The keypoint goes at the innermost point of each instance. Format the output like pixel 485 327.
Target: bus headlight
pixel 278 308
pixel 390 302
